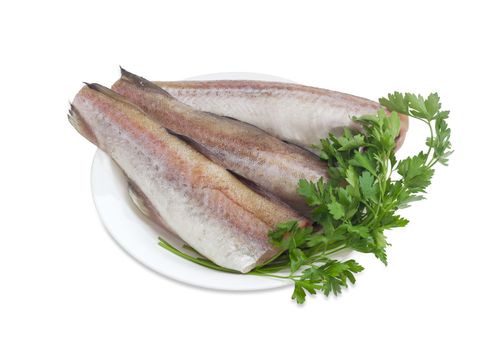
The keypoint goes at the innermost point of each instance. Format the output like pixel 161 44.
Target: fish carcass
pixel 295 113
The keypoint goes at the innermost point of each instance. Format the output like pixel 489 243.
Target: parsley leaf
pixel 368 187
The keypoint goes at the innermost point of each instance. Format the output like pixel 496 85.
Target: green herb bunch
pixel 354 207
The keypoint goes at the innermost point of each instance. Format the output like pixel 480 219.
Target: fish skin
pixel 295 113
pixel 274 165
pixel 193 197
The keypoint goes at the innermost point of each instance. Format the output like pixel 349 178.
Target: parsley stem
pixel 431 143
pixel 200 261
pixel 259 273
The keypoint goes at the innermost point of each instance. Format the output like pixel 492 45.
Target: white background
pixel 64 284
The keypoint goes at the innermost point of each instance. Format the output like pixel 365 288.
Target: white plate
pixel 139 237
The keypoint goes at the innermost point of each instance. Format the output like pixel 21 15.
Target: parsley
pixel 352 209
pixel 358 203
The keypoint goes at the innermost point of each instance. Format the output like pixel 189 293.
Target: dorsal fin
pixel 196 145
pixel 258 189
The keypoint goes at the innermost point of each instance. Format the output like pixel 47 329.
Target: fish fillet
pixel 295 113
pixel 190 195
pixel 273 165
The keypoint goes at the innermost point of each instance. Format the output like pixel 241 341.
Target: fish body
pixel 273 165
pixel 188 194
pixel 295 113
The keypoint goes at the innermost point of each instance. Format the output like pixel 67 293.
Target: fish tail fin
pixel 77 121
pixel 112 95
pixel 109 93
pixel 137 80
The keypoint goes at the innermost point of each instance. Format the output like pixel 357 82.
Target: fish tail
pixel 80 124
pixel 109 93
pixel 142 82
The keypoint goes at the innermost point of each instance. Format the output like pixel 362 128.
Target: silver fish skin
pixel 295 113
pixel 190 195
pixel 273 165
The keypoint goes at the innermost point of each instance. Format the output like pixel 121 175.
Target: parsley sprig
pixel 354 207
pixel 366 187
